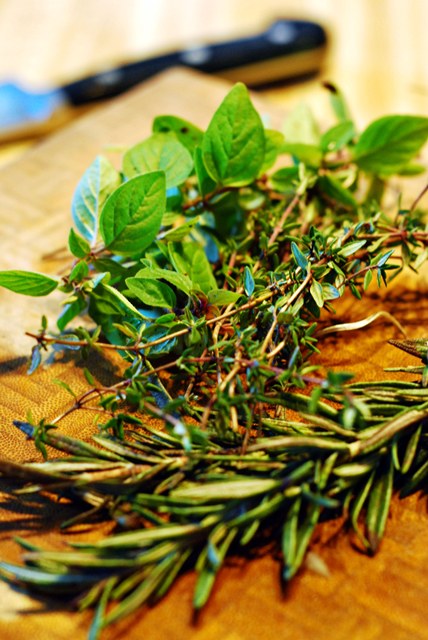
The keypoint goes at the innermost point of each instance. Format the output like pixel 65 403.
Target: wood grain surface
pixel 362 598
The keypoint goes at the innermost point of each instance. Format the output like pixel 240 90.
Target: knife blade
pixel 288 49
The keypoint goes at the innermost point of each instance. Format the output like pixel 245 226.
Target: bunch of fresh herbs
pixel 211 262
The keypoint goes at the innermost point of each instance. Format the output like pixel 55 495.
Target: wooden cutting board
pixel 362 598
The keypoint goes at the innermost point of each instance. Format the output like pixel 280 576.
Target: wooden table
pixel 378 55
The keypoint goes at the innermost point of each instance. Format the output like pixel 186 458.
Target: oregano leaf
pixel 92 191
pixel 389 143
pixel 159 152
pixel 152 293
pixel 234 142
pixel 28 283
pixel 132 216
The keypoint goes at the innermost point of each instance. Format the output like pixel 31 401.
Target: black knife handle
pixel 283 38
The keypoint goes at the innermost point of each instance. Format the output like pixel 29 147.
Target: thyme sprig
pixel 211 262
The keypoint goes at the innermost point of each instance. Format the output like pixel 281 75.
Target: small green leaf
pixel 189 259
pixel 69 312
pixel 317 293
pixel 78 246
pixel 206 184
pixel 285 179
pixel 233 145
pixel 389 143
pixel 28 283
pixel 221 297
pixel 152 292
pixel 307 153
pixel 334 189
pixel 299 257
pixel 300 127
pixel 79 272
pixel 338 102
pixel 274 141
pixel 132 216
pixel 367 279
pixel 178 280
pixel 187 133
pixel 249 283
pixel 160 152
pixel 338 137
pixel 351 247
pixel 96 184
pixel 182 231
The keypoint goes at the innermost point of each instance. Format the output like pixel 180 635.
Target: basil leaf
pixel 92 191
pixel 389 143
pixel 28 283
pixel 159 152
pixel 152 292
pixel 233 145
pixel 187 133
pixel 132 216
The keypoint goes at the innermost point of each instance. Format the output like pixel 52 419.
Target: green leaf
pixel 159 152
pixel 299 257
pixel 221 297
pixel 187 133
pixel 338 102
pixel 152 292
pixel 132 216
pixel 249 283
pixel 317 293
pixel 205 182
pixel 69 312
pixel 78 246
pixel 285 178
pixel 226 490
pixel 300 127
pixel 274 141
pixel 389 143
pixel 233 145
pixel 338 136
pixel 378 506
pixel 189 259
pixel 180 232
pixel 351 247
pixel 334 189
pixel 367 279
pixel 28 283
pixel 307 153
pixel 96 184
pixel 180 281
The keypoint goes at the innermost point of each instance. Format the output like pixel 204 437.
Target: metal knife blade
pixel 287 50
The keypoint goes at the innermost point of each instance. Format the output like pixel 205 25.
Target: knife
pixel 287 50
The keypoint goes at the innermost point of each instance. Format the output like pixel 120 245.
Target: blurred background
pixel 377 52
